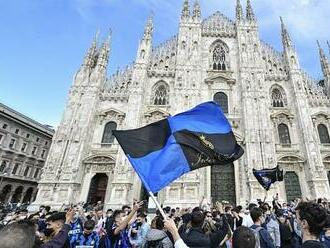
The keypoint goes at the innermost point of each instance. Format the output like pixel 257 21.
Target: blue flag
pixel 266 177
pixel 165 150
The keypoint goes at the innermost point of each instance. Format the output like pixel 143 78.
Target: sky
pixel 43 42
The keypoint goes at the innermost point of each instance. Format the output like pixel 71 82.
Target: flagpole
pixel 158 205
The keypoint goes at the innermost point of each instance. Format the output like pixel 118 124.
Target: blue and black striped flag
pixel 165 150
pixel 267 177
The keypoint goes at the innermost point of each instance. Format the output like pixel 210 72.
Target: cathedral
pixel 279 115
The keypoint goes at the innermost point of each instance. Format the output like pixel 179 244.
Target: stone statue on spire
pixel 324 63
pixel 103 58
pixel 185 10
pixel 239 11
pixel 249 12
pixel 90 57
pixel 148 31
pixel 197 10
pixel 286 39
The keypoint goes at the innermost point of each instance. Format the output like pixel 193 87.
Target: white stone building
pixel 278 113
pixel 24 145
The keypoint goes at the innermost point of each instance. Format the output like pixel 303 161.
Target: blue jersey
pixel 81 240
pixel 325 240
pixel 121 240
pixel 76 227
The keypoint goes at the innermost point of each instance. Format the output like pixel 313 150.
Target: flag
pixel 165 150
pixel 267 177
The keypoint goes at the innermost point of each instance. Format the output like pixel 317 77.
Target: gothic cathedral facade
pixel 279 115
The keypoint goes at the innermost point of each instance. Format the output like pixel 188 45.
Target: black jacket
pixel 195 238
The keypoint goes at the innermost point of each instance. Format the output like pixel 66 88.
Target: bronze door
pixel 292 186
pixel 223 183
pixel 97 188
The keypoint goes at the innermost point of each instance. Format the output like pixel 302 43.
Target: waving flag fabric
pixel 267 177
pixel 165 150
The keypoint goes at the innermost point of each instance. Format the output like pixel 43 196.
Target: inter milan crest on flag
pixel 165 150
pixel 267 177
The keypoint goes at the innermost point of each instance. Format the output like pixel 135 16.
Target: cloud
pixel 306 20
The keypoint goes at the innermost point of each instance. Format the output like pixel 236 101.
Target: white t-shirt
pixel 247 220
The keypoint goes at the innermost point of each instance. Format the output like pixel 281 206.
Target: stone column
pixel 11 194
pixel 85 186
pixel 33 195
pixel 23 194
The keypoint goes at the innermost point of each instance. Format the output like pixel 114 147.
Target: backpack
pixel 257 236
pixel 154 243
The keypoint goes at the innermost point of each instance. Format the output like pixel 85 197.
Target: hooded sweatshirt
pixel 155 234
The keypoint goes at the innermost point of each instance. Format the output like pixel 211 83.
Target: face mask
pixel 109 215
pixel 48 232
pixel 76 215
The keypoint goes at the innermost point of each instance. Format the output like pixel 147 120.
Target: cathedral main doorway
pixel 223 183
pixel 98 188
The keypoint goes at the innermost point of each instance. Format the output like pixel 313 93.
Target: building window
pixel 27 135
pixel 1 138
pixel 26 171
pixel 284 134
pixel 43 153
pixel 277 98
pixel 23 147
pixel 36 173
pixel 15 169
pixel 4 126
pixel 12 143
pixel 108 137
pixel 31 173
pixel 37 140
pixel 46 143
pixel 161 91
pixel 16 131
pixel 219 58
pixel 323 134
pixel 221 99
pixel 34 150
pixel 3 166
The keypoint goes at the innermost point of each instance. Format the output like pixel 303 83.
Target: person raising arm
pixel 171 227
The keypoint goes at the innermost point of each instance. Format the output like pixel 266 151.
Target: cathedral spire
pixel 249 12
pixel 286 39
pixel 103 57
pixel 185 10
pixel 89 60
pixel 324 62
pixel 148 31
pixel 239 11
pixel 197 10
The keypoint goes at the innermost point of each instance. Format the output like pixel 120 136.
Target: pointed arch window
pixel 3 166
pixel 221 99
pixel 323 134
pixel 161 94
pixel 219 58
pixel 284 134
pixel 278 100
pixel 108 137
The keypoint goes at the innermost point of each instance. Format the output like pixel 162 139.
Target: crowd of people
pixel 260 225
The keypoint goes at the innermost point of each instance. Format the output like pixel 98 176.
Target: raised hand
pixel 69 216
pixel 138 205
